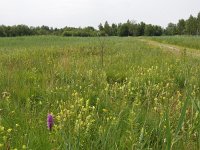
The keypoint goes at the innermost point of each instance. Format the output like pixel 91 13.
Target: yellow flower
pixel 24 147
pixel 155 108
pixel 58 118
pixel 1 128
pixel 40 102
pixel 9 130
pixel 105 110
pixel 4 138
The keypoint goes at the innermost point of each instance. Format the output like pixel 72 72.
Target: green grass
pixel 184 41
pixel 141 98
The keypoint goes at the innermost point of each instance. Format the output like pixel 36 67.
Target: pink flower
pixel 50 121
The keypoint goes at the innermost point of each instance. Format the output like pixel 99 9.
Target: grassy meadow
pixel 141 97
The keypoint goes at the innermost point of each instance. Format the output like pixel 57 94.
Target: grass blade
pixel 197 107
pixel 168 134
pixel 181 119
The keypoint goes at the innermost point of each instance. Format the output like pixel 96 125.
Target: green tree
pixel 140 29
pixel 171 29
pixel 157 30
pixel 153 30
pixel 2 31
pixel 191 25
pixel 149 30
pixel 107 29
pixel 22 30
pixel 181 27
pixel 198 23
pixel 114 29
pixel 101 27
pixel 130 28
pixel 123 29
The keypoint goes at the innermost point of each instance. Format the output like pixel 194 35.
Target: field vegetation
pixel 141 97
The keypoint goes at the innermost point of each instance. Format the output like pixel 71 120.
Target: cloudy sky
pixel 61 13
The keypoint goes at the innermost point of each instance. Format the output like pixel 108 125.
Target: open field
pixel 141 97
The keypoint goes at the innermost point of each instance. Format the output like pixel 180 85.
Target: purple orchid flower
pixel 50 121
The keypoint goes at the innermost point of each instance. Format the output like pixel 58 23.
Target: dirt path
pixel 178 50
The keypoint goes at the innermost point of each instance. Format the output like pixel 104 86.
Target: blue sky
pixel 61 13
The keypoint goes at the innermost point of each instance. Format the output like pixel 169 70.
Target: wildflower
pixel 40 102
pixel 105 110
pixel 50 121
pixel 9 130
pixel 1 128
pixel 155 108
pixel 24 147
pixel 165 140
pixel 58 118
pixel 5 95
pixel 4 138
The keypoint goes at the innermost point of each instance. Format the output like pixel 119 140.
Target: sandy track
pixel 178 50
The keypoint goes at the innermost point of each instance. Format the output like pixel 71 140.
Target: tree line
pixel 24 30
pixel 190 26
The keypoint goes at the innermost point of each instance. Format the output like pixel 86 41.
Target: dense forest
pixel 191 26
